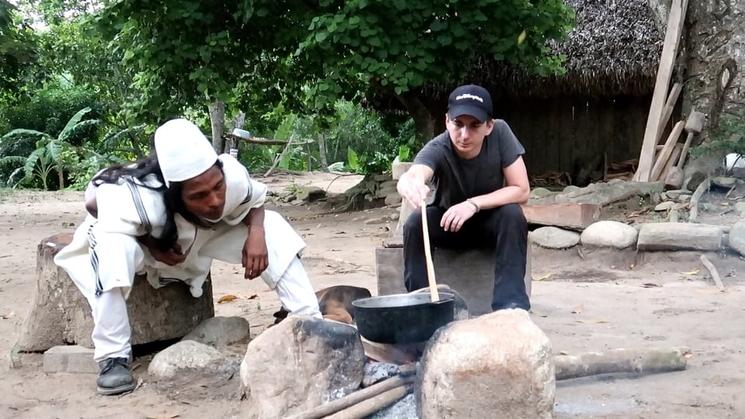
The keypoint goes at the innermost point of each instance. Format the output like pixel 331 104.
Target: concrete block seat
pixel 470 273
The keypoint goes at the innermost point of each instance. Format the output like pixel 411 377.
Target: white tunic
pixel 105 254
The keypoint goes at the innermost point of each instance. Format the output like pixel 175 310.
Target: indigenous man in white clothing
pixel 168 216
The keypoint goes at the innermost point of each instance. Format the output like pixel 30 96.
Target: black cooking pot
pixel 402 318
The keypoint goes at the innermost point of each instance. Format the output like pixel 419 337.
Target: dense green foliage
pixel 299 70
pixel 404 44
pixel 17 48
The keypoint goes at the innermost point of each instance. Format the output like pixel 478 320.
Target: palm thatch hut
pixel 594 113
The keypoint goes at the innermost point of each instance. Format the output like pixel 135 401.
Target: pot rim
pixel 370 302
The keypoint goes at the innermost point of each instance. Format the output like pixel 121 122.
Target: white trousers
pixel 112 333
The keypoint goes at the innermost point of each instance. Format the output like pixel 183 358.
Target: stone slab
pixel 679 236
pixel 69 358
pixel 470 273
pixel 576 216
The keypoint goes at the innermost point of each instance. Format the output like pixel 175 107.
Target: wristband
pixel 475 205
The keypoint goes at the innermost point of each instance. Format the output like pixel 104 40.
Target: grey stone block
pixel 69 358
pixel 470 273
pixel 60 314
pixel 679 236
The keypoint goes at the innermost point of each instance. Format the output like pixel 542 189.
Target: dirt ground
pixel 584 302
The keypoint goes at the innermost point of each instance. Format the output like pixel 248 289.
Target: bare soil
pixel 584 301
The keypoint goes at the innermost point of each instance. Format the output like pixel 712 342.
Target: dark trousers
pixel 503 229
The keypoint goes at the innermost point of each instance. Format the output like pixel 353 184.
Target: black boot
pixel 114 377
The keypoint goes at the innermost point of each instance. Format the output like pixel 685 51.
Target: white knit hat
pixel 183 151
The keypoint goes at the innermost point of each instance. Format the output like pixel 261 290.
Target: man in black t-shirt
pixel 480 179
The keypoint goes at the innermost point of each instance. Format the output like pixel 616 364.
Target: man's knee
pixel 413 224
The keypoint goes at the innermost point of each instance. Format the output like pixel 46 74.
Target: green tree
pixel 17 49
pixel 192 53
pixel 397 47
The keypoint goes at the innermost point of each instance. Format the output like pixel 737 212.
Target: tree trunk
pixel 714 59
pixel 322 152
pixel 61 176
pixel 423 119
pixel 217 119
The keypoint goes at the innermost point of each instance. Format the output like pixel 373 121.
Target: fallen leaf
pixel 543 277
pixel 650 285
pixel 227 298
pixel 7 316
pixel 253 296
pixel 693 272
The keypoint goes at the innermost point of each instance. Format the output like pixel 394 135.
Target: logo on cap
pixel 469 96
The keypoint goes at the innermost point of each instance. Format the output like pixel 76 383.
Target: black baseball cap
pixel 470 100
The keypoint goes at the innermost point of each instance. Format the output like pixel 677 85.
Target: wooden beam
pixel 675 22
pixel 667 111
pixel 664 156
pixel 265 141
pixel 670 162
pixel 577 216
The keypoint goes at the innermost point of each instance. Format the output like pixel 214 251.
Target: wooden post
pixel 670 162
pixel 667 111
pixel 664 73
pixel 666 151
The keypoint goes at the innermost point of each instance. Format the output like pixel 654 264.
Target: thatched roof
pixel 613 50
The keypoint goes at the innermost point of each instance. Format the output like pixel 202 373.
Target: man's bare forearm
pixel 503 196
pixel 255 217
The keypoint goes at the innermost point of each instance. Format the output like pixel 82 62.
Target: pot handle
pixel 433 291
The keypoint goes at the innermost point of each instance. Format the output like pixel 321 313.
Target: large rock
pixel 386 188
pixel 737 237
pixel 399 168
pixel 301 363
pixel 393 199
pixel 679 236
pixel 310 193
pixel 496 365
pixel 60 315
pixel 554 238
pixel 609 234
pixel 183 356
pixel 220 331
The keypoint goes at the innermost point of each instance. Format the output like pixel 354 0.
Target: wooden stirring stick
pixel 434 293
